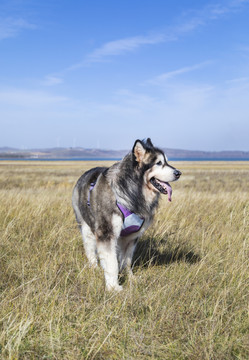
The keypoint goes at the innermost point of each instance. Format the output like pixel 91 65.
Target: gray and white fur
pixel 136 183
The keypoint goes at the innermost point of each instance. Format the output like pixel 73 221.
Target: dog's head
pixel 153 163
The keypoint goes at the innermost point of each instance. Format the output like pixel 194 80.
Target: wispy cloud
pixel 241 80
pixel 10 27
pixel 244 50
pixel 186 23
pixel 51 80
pixel 162 78
pixel 194 20
pixel 121 46
pixel 28 98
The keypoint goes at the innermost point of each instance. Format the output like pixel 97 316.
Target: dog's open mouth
pixel 162 186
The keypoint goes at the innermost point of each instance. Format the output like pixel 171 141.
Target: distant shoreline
pixel 117 159
pixel 83 154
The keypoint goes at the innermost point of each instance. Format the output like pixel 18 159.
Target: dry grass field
pixel 189 296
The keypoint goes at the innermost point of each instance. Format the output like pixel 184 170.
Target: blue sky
pixel 97 73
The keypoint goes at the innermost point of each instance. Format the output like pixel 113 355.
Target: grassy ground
pixel 189 297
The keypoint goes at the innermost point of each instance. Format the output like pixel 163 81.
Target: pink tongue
pixel 167 187
pixel 169 191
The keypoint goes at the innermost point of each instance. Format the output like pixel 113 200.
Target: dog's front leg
pixel 109 262
pixel 127 248
pixel 107 252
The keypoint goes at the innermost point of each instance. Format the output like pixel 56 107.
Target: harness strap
pixel 90 189
pixel 132 222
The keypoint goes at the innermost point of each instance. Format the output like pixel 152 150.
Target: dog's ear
pixel 149 142
pixel 139 151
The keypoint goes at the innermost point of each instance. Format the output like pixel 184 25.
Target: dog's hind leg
pixel 89 241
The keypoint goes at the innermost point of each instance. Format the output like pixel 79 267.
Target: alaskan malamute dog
pixel 115 205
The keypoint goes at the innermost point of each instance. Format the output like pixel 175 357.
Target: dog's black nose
pixel 177 173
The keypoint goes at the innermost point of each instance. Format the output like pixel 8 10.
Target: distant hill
pixel 197 154
pixel 74 153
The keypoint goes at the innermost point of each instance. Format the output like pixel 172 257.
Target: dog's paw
pixel 130 274
pixel 115 287
pixel 93 263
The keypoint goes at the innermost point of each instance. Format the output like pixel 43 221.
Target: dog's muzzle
pixel 177 173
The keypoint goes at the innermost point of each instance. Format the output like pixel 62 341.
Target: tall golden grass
pixel 189 295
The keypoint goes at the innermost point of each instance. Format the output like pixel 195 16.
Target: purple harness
pixel 132 222
pixel 91 187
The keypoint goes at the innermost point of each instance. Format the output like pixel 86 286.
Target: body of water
pixel 115 159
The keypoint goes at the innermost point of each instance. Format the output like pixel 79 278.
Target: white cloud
pixel 121 46
pixel 215 12
pixel 10 27
pixel 186 24
pixel 118 47
pixel 51 80
pixel 28 98
pixel 160 79
pixel 189 116
pixel 240 80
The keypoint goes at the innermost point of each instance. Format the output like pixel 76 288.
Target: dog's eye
pixel 159 163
